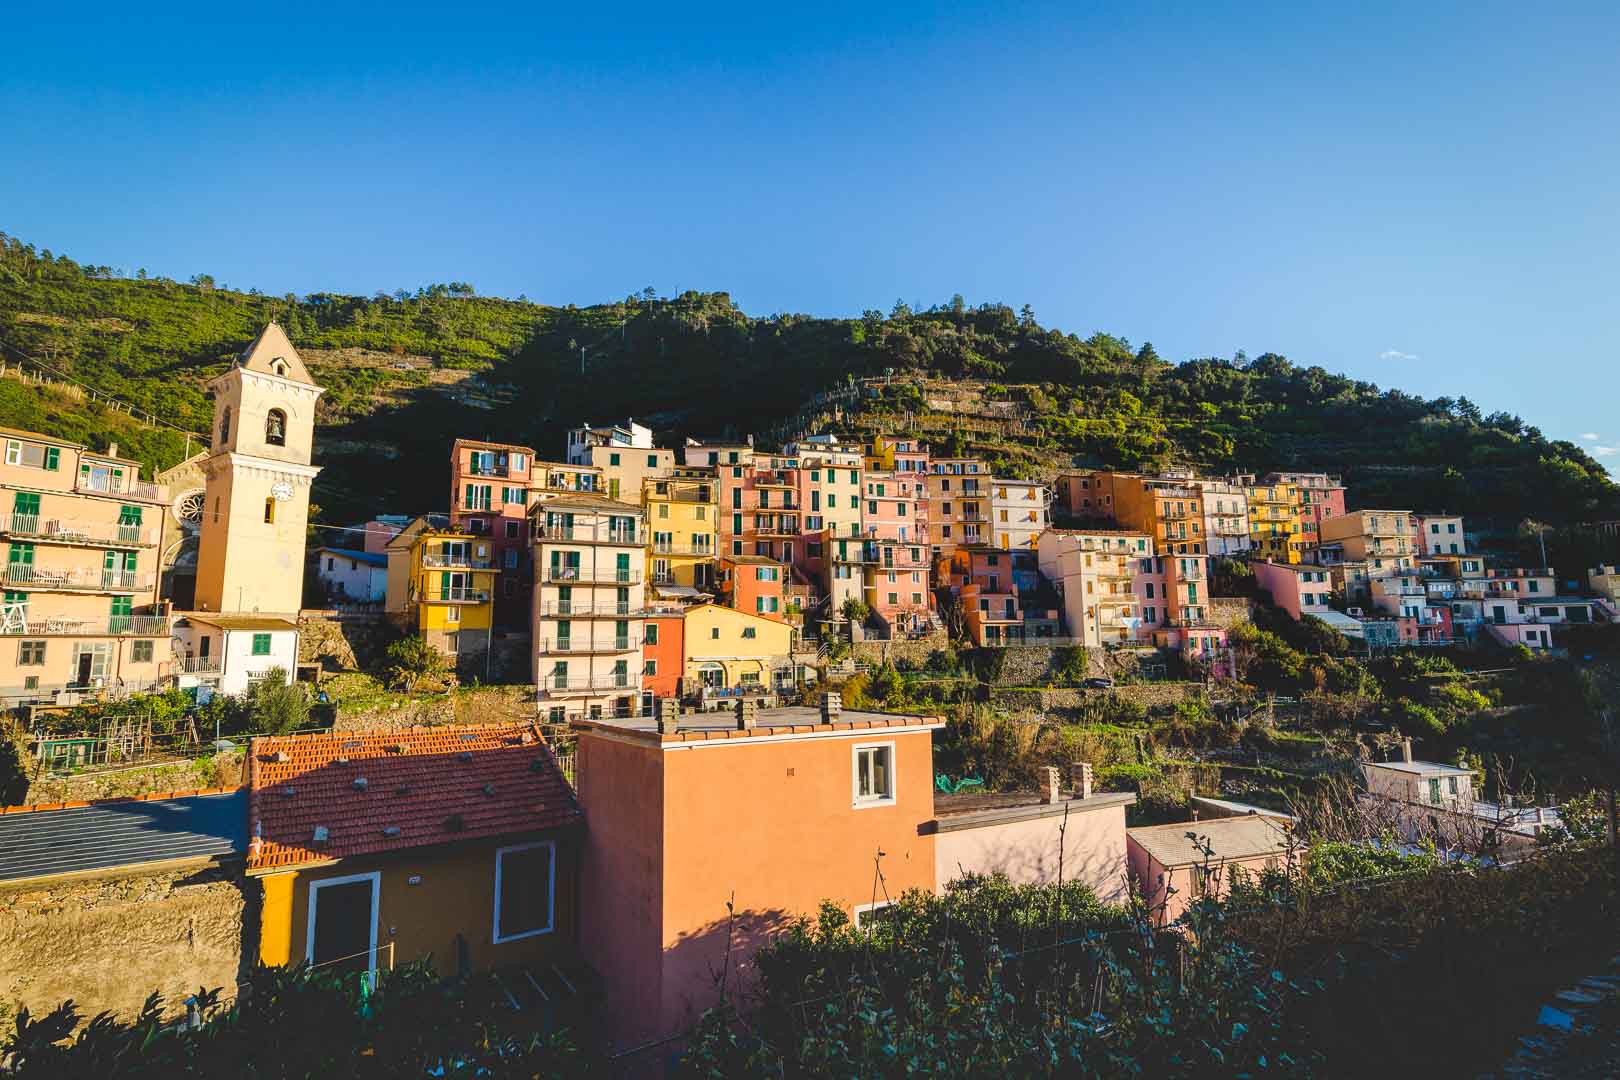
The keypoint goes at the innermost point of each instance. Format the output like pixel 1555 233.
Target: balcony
pixel 576 575
pixel 101 483
pixel 51 579
pixel 572 610
pixel 778 528
pixel 779 479
pixel 592 534
pixel 554 684
pixel 669 548
pixel 196 665
pixel 64 531
pixel 457 562
pixel 117 626
pixel 499 471
pixel 576 646
pixel 456 596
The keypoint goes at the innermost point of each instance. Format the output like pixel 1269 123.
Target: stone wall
pixel 216 771
pixel 912 652
pixel 1029 665
pixel 476 705
pixel 108 942
pixel 1228 611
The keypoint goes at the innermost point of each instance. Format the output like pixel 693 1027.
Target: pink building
pixel 1320 497
pixel 1299 590
pixel 1172 871
pixel 1439 534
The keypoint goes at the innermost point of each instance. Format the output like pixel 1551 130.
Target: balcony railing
pixel 586 645
pixel 778 528
pixel 197 665
pixel 669 548
pixel 457 562
pixel 117 626
pixel 577 575
pixel 82 580
pixel 65 531
pixel 456 595
pixel 552 684
pixel 592 534
pixel 489 470
pixel 103 484
pixel 587 610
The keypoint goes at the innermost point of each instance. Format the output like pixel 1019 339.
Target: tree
pixel 856 610
pixel 901 310
pixel 276 705
pixel 414 664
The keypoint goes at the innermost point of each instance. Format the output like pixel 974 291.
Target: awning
pixel 1344 624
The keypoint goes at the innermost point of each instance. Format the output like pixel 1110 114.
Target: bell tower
pixel 250 554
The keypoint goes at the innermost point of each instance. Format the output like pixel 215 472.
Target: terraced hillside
pixel 405 374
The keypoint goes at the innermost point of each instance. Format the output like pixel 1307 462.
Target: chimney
pixel 832 706
pixel 747 714
pixel 1406 751
pixel 112 449
pixel 1080 779
pixel 1054 789
pixel 669 715
pixel 1194 814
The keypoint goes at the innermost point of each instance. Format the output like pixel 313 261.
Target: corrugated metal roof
pixel 126 832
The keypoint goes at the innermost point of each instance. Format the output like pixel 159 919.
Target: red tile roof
pixel 432 785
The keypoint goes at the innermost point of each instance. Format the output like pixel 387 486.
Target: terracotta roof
pixel 1247 837
pixel 422 786
pixel 788 720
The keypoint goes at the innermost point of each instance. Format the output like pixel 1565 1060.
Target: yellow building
pixel 731 652
pixel 441 584
pixel 682 519
pixel 1274 521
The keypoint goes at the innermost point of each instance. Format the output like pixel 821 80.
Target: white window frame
pixel 868 909
pixel 869 802
pixel 375 878
pixel 551 894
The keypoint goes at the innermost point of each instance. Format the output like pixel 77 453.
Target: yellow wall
pixel 772 641
pixel 431 615
pixel 689 525
pixel 455 895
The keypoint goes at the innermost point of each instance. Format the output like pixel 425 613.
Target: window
pixel 261 644
pixel 613 459
pixel 140 652
pixel 649 667
pixel 1451 785
pixel 1434 791
pixel 652 634
pixel 874 774
pixel 714 633
pixel 513 529
pixel 749 633
pixel 477 496
pixel 31 653
pixel 275 428
pixel 270 511
pixel 510 558
pixel 225 425
pixel 514 495
pixel 652 461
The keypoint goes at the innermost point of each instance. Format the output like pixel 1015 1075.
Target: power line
pixel 129 407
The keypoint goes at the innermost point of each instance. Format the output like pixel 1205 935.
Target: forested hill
pixel 407 373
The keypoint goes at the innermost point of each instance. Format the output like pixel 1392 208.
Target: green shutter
pixel 53 458
pixel 261 644
pixel 21 555
pixel 122 606
pixel 26 503
pixel 129 515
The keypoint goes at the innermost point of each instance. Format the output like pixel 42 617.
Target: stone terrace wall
pixel 217 771
pixel 109 942
pixel 345 643
pixel 913 652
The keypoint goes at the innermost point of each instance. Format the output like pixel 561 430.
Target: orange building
pixel 489 496
pixel 663 653
pixel 772 818
pixel 754 583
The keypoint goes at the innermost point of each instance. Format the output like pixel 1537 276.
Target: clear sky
pixel 1425 196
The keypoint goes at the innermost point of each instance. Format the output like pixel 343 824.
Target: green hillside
pixel 405 374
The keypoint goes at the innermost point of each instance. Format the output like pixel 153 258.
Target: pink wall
pixel 1093 845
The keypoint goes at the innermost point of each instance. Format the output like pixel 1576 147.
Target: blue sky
pixel 1425 198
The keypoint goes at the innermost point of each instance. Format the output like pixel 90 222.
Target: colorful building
pixel 1226 517
pixel 1086 495
pixel 457 846
pixel 441 585
pixel 491 487
pixel 590 600
pixel 83 538
pixel 958 503
pixel 1380 538
pixel 681 515
pixel 1319 496
pixel 895 521
pixel 1274 520
pixel 1094 573
pixel 1298 590
pixel 1018 513
pixel 1172 871
pixel 754 583
pixel 731 653
pixel 1439 534
pixel 663 651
